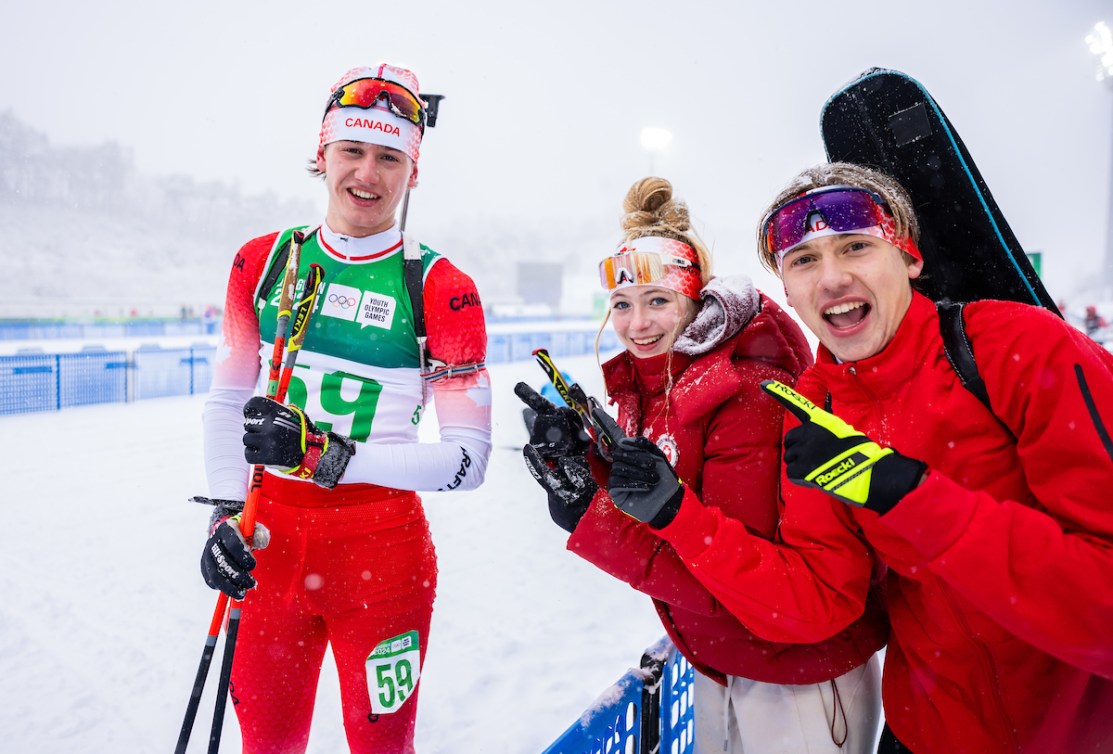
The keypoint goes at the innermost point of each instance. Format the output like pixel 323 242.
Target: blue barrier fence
pixel 31 382
pixel 45 329
pixel 53 329
pixel 648 710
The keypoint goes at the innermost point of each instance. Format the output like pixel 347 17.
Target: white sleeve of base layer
pixel 222 421
pixel 457 462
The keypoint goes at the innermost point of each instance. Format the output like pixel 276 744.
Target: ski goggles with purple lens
pixel 829 210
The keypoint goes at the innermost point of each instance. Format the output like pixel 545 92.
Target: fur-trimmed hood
pixel 727 305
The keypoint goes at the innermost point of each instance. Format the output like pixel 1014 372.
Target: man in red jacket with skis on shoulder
pixel 995 526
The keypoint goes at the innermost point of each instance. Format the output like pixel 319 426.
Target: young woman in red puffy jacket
pixel 688 382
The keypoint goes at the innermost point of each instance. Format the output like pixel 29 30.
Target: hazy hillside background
pixel 89 235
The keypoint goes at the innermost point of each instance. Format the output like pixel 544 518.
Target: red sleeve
pixel 1042 572
pixel 742 445
pixel 631 552
pixel 238 362
pixel 454 320
pixel 805 592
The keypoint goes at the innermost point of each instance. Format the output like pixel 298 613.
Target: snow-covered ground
pixel 103 613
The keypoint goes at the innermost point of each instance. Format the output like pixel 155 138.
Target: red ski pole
pixel 285 306
pixel 303 310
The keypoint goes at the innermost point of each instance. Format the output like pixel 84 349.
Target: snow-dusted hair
pixel 837 174
pixel 652 211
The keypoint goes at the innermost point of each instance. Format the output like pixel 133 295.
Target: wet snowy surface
pixel 103 612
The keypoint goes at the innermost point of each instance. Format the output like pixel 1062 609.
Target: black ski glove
pixel 827 453
pixel 642 482
pixel 283 436
pixel 567 481
pixel 556 430
pixel 226 561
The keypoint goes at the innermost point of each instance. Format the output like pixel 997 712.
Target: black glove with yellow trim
pixel 827 453
pixel 642 483
pixel 283 436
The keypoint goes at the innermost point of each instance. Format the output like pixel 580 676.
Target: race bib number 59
pixel 393 668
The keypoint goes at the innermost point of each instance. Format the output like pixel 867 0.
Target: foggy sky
pixel 545 102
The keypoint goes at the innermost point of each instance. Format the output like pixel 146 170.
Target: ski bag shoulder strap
pixel 959 351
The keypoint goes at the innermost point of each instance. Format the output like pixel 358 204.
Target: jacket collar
pixel 726 306
pixel 906 354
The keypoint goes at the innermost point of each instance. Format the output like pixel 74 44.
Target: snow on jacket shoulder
pixel 703 405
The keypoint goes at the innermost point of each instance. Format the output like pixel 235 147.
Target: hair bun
pixel 651 210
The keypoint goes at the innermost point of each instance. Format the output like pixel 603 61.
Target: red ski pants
pixel 351 576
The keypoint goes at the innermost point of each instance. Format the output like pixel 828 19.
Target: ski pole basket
pixel 647 711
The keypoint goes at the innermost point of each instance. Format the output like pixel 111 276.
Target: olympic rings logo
pixel 344 302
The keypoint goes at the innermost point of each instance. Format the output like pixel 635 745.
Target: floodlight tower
pixel 1100 40
pixel 654 142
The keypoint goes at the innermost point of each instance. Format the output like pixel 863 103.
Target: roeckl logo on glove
pixel 826 452
pixel 842 468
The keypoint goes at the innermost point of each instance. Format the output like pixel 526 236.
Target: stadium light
pixel 1100 41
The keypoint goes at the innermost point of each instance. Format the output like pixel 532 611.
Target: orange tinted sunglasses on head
pixel 366 93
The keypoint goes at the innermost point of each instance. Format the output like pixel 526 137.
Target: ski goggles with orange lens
pixel 653 261
pixel 366 93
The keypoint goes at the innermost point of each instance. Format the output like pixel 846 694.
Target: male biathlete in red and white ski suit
pixel 350 562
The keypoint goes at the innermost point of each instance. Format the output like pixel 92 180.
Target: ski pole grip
pixel 608 427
